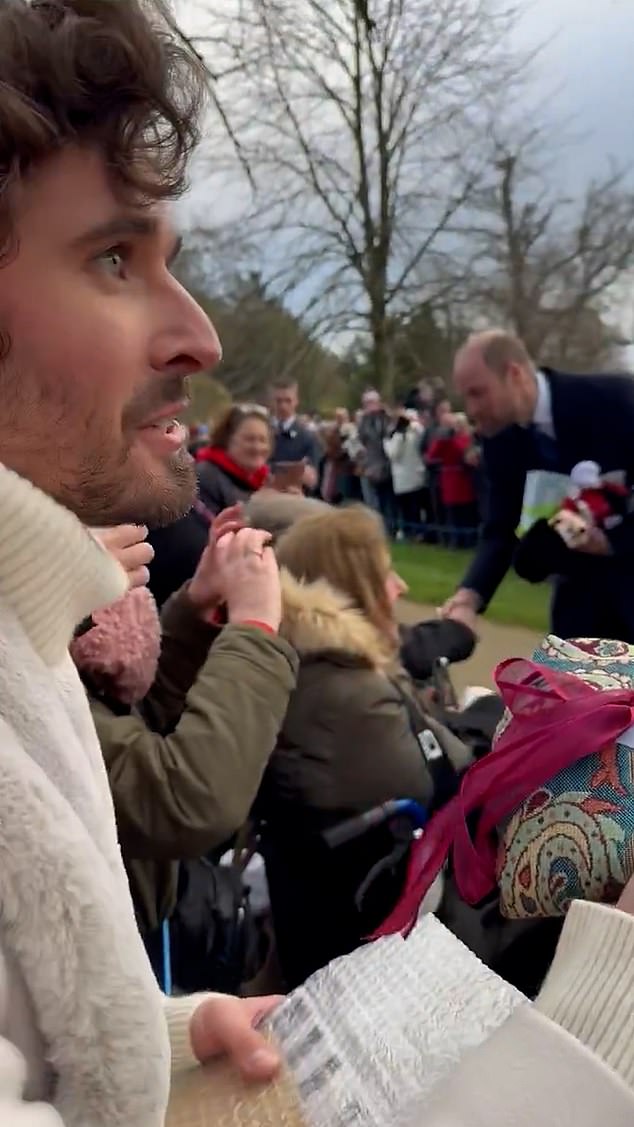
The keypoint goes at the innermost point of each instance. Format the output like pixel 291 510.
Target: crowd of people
pixel 417 464
pixel 201 660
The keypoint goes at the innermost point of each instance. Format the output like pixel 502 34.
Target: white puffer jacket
pixel 403 450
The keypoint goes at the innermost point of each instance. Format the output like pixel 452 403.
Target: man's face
pixel 372 403
pixel 101 339
pixel 285 401
pixel 491 401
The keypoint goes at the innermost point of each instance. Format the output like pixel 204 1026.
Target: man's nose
pixel 188 342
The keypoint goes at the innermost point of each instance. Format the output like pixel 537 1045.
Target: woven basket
pixel 216 1096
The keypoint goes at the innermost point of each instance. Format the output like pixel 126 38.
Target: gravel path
pixel 496 642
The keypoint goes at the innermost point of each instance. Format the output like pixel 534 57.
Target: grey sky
pixel 584 76
pixel 589 63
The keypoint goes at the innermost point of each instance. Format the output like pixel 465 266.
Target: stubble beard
pixel 104 498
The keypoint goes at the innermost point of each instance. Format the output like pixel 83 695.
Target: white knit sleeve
pixel 178 1013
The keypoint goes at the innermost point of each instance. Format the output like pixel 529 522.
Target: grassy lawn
pixel 433 573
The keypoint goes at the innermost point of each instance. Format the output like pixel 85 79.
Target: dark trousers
pixel 596 603
pixel 436 512
pixel 379 495
pixel 409 507
pixel 461 527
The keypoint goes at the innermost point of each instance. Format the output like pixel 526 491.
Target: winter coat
pixel 348 743
pixel 456 477
pixel 185 763
pixel 222 482
pixel 373 429
pixel 403 450
pixel 179 546
pixel 82 1022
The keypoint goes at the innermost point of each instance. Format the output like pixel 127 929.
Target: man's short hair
pixel 499 349
pixel 107 74
pixel 285 385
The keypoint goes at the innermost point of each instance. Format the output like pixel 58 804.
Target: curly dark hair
pixel 106 74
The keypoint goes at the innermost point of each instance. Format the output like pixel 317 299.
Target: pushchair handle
pixel 355 827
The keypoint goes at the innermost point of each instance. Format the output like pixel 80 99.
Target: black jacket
pixel 593 418
pixel 373 429
pixel 179 547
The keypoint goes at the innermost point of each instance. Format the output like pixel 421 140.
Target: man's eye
pixel 113 261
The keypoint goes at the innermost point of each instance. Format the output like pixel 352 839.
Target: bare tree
pixel 361 125
pixel 262 340
pixel 545 264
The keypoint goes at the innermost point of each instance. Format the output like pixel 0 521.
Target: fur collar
pixel 318 619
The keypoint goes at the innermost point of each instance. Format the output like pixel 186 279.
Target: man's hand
pixel 464 601
pixel 309 476
pixel 222 1024
pixel 466 615
pixel 594 543
pixel 127 543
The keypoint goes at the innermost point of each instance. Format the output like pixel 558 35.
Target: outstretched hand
pixel 463 606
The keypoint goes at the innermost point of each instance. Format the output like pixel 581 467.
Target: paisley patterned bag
pixel 548 814
pixel 574 837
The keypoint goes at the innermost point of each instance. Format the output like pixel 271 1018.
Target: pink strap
pixel 557 720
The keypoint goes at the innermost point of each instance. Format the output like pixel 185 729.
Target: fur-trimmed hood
pixel 316 618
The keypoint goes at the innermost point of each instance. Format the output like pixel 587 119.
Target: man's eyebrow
pixel 125 227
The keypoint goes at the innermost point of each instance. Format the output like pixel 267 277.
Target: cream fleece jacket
pixel 83 1026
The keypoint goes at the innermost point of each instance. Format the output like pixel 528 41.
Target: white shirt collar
pixel 287 424
pixel 543 415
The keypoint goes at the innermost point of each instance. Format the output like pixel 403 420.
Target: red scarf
pixel 253 479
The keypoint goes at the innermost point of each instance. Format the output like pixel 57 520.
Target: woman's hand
pixel 204 592
pixel 223 1024
pixel 229 520
pixel 127 543
pixel 237 570
pixel 248 577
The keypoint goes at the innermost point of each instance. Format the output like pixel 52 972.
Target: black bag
pixel 215 941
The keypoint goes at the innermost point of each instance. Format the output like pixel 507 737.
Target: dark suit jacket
pixel 295 445
pixel 593 417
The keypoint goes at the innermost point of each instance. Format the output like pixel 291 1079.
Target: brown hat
pixel 276 512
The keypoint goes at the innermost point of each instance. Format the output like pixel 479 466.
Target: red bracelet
pixel 258 625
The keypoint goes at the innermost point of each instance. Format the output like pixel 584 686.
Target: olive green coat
pixel 185 767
